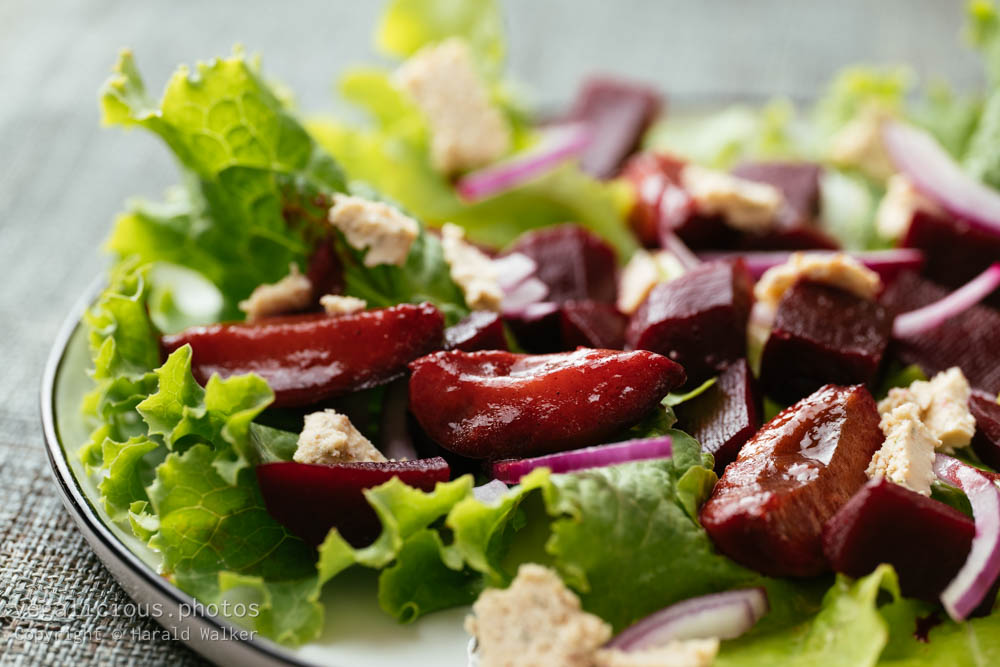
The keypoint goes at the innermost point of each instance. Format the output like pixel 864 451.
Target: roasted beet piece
pixel 955 253
pixel 790 236
pixel 969 341
pixel 768 510
pixel 724 417
pixel 926 541
pixel 986 442
pixel 308 358
pixel 591 324
pixel 573 262
pixel 309 500
pixel 822 335
pixel 699 319
pixel 479 330
pixel 325 271
pixel 495 405
pixel 798 182
pixel 618 113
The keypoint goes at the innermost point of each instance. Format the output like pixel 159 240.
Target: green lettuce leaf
pixel 407 26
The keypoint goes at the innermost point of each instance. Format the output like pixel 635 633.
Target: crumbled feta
pixel 943 405
pixel 678 653
pixel 835 269
pixel 536 622
pixel 746 205
pixel 385 231
pixel 907 455
pixel 859 145
pixel 642 273
pixel 471 269
pixel 897 207
pixel 467 131
pixel 335 304
pixel 291 293
pixel 329 437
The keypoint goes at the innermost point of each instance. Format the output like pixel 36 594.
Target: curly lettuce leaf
pixel 406 26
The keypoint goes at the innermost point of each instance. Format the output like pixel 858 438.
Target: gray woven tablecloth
pixel 62 179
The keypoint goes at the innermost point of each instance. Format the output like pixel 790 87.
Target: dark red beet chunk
pixel 618 113
pixel 325 271
pixel 699 319
pixel 309 500
pixel 926 541
pixel 969 341
pixel 479 330
pixel 788 236
pixel 955 252
pixel 495 405
pixel 768 510
pixel 822 335
pixel 574 263
pixel 724 417
pixel 798 182
pixel 592 324
pixel 308 358
pixel 986 442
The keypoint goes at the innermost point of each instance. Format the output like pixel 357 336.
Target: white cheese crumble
pixel 678 653
pixel 471 269
pixel 329 437
pixel 901 201
pixel 536 622
pixel 834 269
pixel 907 455
pixel 942 404
pixel 291 293
pixel 467 131
pixel 642 273
pixel 385 231
pixel 335 304
pixel 859 145
pixel 746 205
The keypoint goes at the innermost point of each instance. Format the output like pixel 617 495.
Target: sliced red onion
pixel 723 615
pixel 676 247
pixel 487 493
pixel 935 174
pixel 887 263
pixel 935 314
pixel 558 143
pixel 974 581
pixel 512 470
pixel 514 269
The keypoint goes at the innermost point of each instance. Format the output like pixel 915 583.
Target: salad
pixel 642 389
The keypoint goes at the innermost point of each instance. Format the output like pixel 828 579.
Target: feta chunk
pixel 897 207
pixel 467 131
pixel 642 273
pixel 907 455
pixel 746 205
pixel 536 622
pixel 859 145
pixel 835 269
pixel 678 653
pixel 385 231
pixel 291 293
pixel 943 405
pixel 329 437
pixel 471 269
pixel 335 304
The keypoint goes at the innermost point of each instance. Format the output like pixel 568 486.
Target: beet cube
pixel 592 324
pixel 822 335
pixel 698 320
pixel 573 262
pixel 725 416
pixel 926 541
pixel 986 442
pixel 798 182
pixel 970 341
pixel 479 330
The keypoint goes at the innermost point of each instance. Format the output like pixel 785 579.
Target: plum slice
pixel 768 510
pixel 822 335
pixel 699 319
pixel 309 358
pixel 591 324
pixel 968 341
pixel 309 500
pixel 926 541
pixel 986 442
pixel 479 330
pixel 495 405
pixel 725 416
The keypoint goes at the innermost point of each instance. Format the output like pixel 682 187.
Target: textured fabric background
pixel 62 179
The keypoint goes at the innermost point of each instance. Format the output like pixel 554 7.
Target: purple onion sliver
pixel 676 247
pixel 935 314
pixel 512 470
pixel 513 269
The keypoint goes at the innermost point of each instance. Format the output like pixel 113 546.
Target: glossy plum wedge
pixel 986 442
pixel 822 335
pixel 479 330
pixel 924 540
pixel 573 262
pixel 969 340
pixel 591 324
pixel 496 405
pixel 309 358
pixel 309 500
pixel 768 510
pixel 725 416
pixel 699 319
